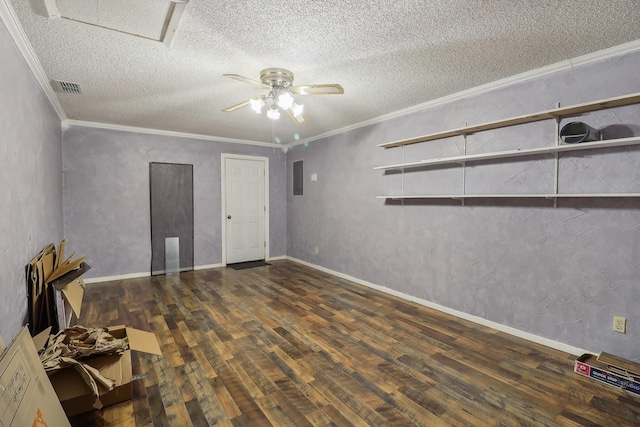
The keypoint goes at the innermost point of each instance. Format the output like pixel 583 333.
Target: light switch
pixel 314 177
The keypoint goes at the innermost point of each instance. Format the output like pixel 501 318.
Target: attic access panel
pixel 150 19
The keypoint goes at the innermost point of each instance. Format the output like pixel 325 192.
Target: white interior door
pixel 245 210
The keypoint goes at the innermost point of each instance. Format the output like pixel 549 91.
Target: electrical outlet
pixel 620 324
pixel 316 250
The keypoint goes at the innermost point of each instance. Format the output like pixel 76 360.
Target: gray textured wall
pixel 30 180
pixel 106 196
pixel 560 273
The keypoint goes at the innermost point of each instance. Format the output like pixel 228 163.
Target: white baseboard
pixel 180 270
pixel 145 274
pixel 277 258
pixel 475 319
pixel 118 277
pixel 208 266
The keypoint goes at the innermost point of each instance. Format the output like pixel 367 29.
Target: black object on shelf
pixel 575 132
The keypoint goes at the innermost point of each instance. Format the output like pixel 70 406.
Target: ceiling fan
pixel 279 82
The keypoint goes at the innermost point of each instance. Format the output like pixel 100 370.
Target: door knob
pixel 228 216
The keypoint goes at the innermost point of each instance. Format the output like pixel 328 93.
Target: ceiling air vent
pixel 66 87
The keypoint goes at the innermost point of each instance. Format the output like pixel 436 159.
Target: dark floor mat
pixel 248 264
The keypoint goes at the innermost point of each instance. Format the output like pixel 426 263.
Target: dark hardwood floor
pixel 286 345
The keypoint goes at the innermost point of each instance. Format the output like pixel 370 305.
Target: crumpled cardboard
pixel 91 368
pixel 70 346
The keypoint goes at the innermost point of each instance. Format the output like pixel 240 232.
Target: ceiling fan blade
pixel 236 107
pixel 327 89
pixel 246 80
pixel 299 119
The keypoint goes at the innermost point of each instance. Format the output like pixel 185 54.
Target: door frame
pixel 223 204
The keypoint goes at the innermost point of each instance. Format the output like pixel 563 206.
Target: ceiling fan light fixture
pixel 281 92
pixel 273 113
pixel 297 109
pixel 256 104
pixel 285 100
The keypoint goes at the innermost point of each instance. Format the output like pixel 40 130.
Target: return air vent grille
pixel 66 87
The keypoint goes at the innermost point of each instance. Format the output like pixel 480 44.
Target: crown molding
pixel 68 123
pixel 538 72
pixel 603 54
pixel 10 19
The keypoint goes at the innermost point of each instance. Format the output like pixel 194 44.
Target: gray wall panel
pixel 30 180
pixel 560 273
pixel 106 195
pixel 171 217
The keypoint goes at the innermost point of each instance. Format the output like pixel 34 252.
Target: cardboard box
pixel 609 369
pixel 26 395
pixel 76 396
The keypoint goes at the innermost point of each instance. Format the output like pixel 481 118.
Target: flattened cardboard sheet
pixel 66 267
pixel 47 264
pixel 60 255
pixel 40 340
pixel 143 341
pixel 73 293
pixel 47 271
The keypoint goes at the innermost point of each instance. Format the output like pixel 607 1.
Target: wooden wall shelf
pixel 556 114
pixel 513 196
pixel 514 153
pixel 527 118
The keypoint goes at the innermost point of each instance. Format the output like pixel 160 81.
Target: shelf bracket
pixel 464 165
pixel 402 178
pixel 556 165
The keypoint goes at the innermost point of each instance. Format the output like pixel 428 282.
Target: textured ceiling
pixel 388 55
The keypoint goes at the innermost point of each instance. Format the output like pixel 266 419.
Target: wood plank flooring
pixel 286 345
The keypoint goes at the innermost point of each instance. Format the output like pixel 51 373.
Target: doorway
pixel 245 208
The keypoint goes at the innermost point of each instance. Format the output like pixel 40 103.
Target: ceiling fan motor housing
pixel 276 77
